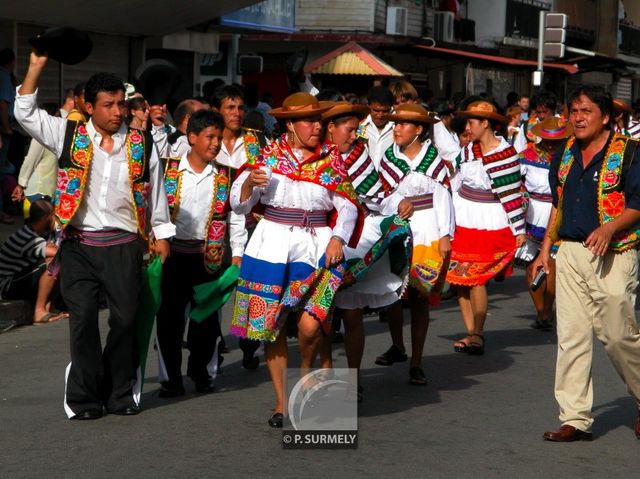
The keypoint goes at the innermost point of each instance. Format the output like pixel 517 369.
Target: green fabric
pixel 148 304
pixel 210 297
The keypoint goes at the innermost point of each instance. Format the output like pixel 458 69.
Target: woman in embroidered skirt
pixel 293 260
pixel 489 218
pixel 534 166
pixel 379 286
pixel 412 170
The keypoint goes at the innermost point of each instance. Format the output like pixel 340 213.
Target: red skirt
pixel 479 255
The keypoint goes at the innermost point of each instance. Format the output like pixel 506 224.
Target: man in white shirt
pixel 192 182
pixel 378 130
pixel 109 179
pixel 236 146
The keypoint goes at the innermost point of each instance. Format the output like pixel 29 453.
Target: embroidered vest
pixel 75 165
pixel 394 169
pixel 362 172
pixel 216 228
pixel 611 201
pixel 503 169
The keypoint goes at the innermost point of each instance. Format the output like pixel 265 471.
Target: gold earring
pixel 290 138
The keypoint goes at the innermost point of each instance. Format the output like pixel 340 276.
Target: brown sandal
pixel 461 347
pixel 476 348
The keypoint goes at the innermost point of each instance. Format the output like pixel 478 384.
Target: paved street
pixel 479 416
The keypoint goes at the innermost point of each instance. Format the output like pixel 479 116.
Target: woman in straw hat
pixel 489 218
pixel 534 166
pixel 293 260
pixel 411 169
pixel 622 121
pixel 376 286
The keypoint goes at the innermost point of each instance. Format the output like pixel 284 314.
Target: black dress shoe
pixel 205 386
pixel 126 411
pixel 276 420
pixel 89 414
pixel 167 391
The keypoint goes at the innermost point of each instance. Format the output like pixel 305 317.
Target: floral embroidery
pixel 216 225
pixel 72 180
pixel 611 201
pixel 325 168
pixel 612 205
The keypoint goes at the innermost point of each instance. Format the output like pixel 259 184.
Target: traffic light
pixel 555 34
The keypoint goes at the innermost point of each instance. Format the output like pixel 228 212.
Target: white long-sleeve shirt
pixel 446 142
pixel 107 201
pixel 378 141
pixel 196 193
pixel 418 184
pixel 283 192
pixel 38 171
pixel 160 135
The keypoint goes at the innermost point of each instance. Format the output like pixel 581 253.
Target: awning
pixel 128 17
pixel 351 59
pixel 571 69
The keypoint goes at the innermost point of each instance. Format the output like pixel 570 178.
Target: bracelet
pixel 336 237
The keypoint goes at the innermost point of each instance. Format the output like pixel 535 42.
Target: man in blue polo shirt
pixel 595 183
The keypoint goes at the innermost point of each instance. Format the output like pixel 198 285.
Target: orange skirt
pixel 479 255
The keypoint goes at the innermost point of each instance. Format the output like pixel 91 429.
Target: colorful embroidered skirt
pixel 377 267
pixel 479 255
pixel 282 271
pixel 427 272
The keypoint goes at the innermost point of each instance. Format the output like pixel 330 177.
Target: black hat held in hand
pixel 64 44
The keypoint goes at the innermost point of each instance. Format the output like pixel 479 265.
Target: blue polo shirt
pixel 580 204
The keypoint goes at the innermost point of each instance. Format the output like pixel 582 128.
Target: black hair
pixel 38 210
pixel 183 109
pixel 424 136
pixel 597 95
pixel 68 93
pixel 512 98
pixel 380 94
pixel 102 82
pixel 78 90
pixel 224 92
pixel 7 55
pixel 136 103
pixel 202 119
pixel 459 124
pixel 547 99
pixel 330 94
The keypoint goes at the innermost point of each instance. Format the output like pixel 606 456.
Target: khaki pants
pixel 594 295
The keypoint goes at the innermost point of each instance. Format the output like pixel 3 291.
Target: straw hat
pixel 300 105
pixel 552 129
pixel 344 108
pixel 411 112
pixel 483 110
pixel 621 106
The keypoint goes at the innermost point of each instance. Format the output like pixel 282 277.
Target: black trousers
pixel 98 377
pixel 180 273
